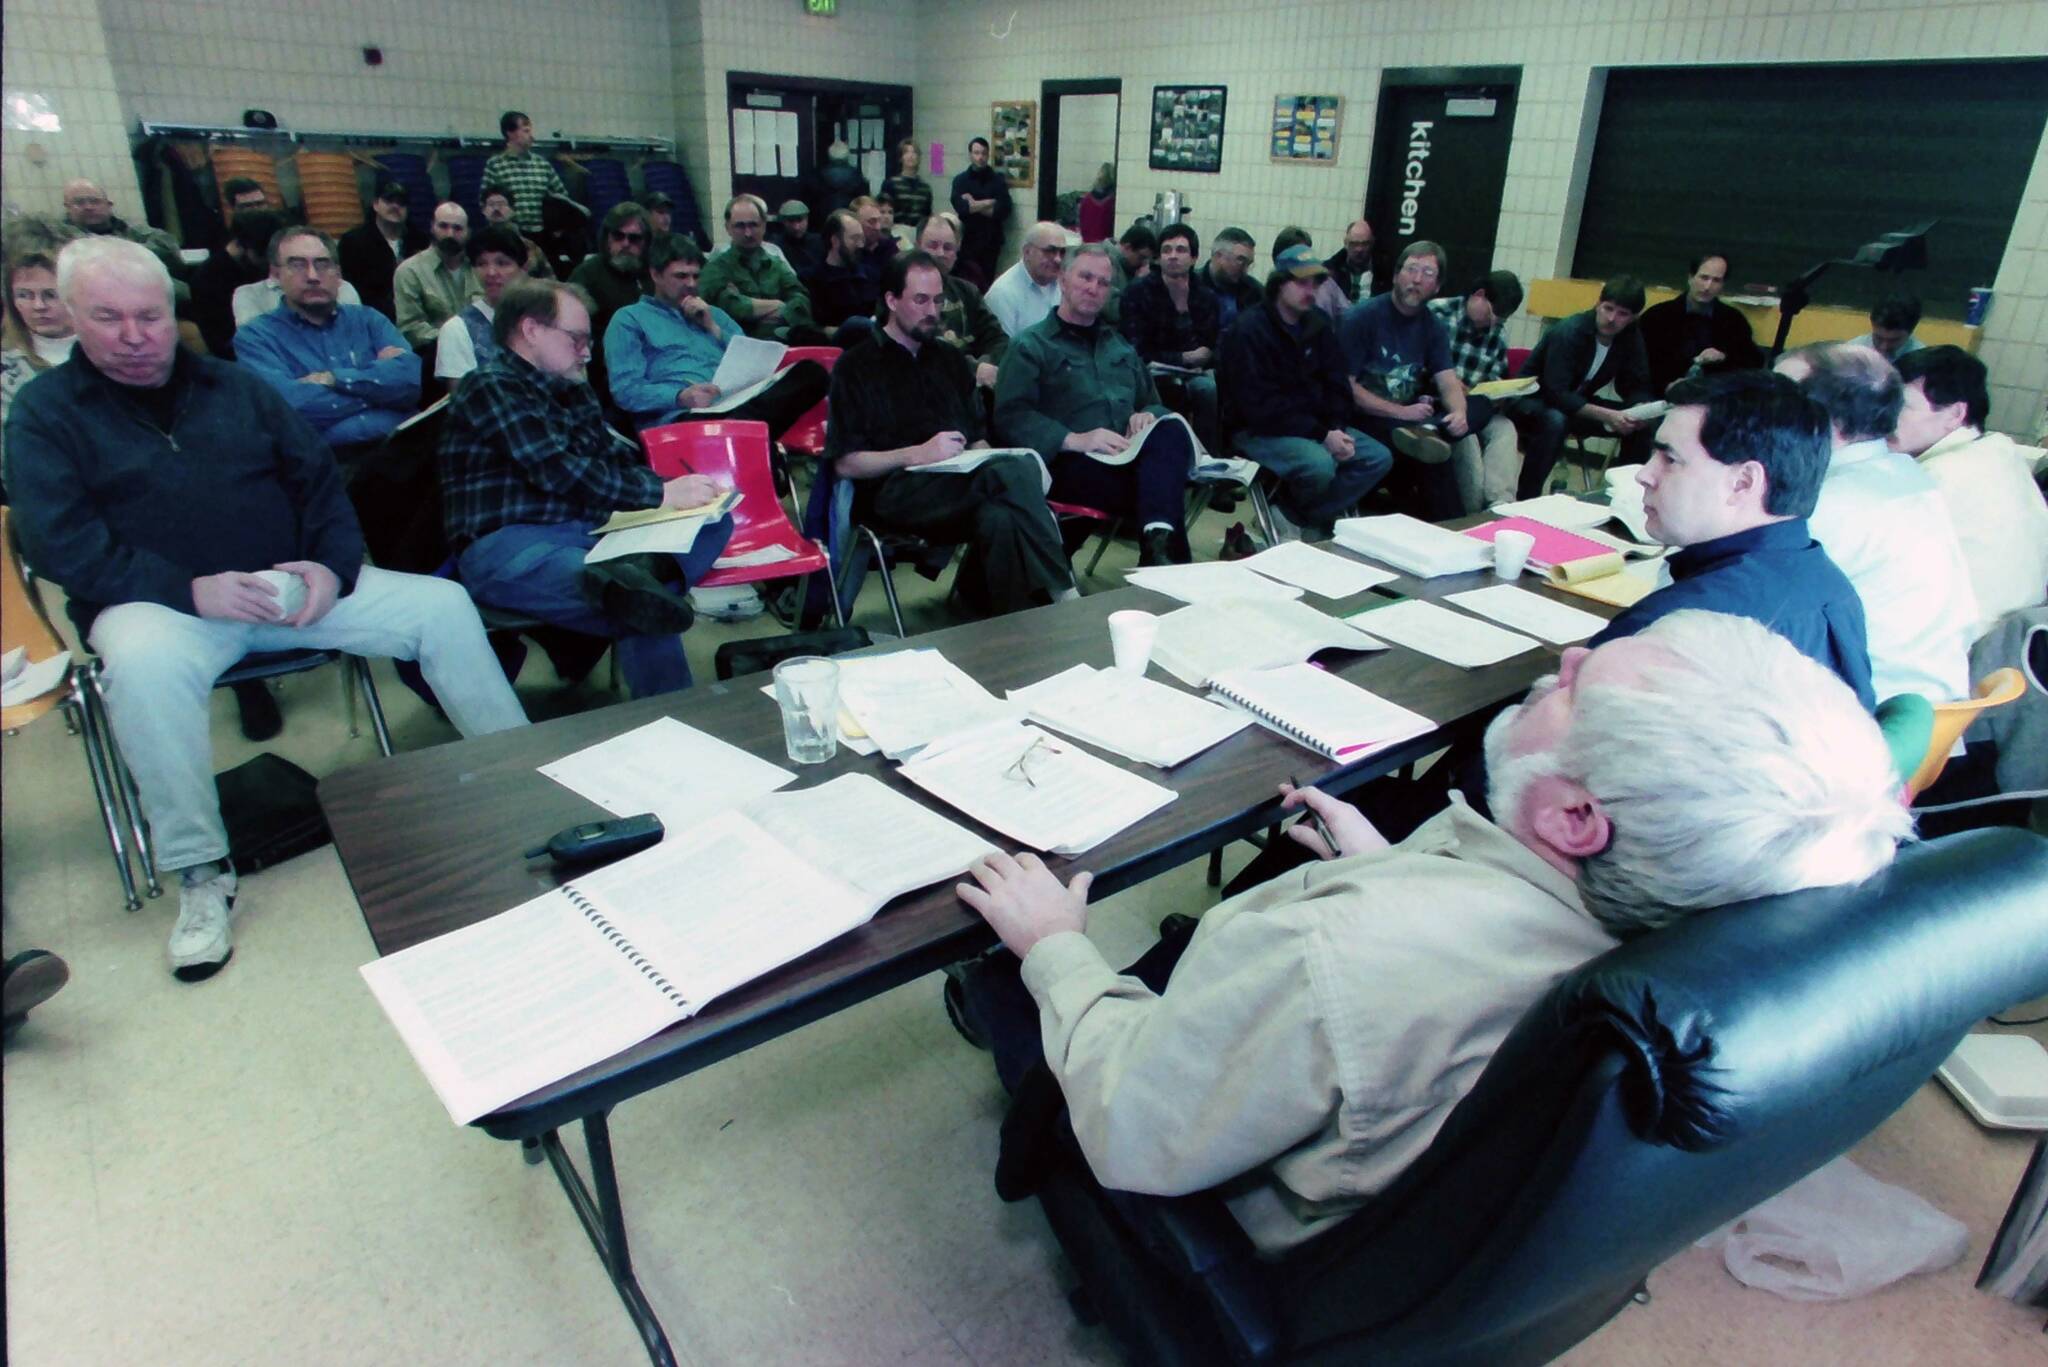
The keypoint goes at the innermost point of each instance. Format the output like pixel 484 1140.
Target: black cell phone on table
pixel 601 842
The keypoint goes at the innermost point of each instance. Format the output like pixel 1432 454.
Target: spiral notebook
pixel 1313 707
pixel 502 1008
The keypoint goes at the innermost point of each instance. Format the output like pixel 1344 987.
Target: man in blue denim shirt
pixel 661 353
pixel 343 368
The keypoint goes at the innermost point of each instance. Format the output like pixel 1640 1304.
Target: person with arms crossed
pixel 751 283
pixel 156 486
pixel 1072 389
pixel 903 399
pixel 981 197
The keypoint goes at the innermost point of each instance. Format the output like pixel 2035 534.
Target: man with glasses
pixel 753 284
pixel 1351 268
pixel 1027 293
pixel 529 471
pixel 87 207
pixel 1402 380
pixel 615 275
pixel 1228 274
pixel 344 368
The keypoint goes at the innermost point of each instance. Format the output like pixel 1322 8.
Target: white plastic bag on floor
pixel 1836 1234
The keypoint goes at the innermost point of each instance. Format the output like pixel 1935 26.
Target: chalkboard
pixel 1782 167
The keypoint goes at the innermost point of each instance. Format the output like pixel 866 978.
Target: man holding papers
pixel 904 400
pixel 528 472
pixel 663 351
pixel 1072 389
pixel 1736 471
pixel 1318 1030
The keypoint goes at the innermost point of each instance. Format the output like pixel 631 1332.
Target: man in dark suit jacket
pixel 1577 358
pixel 370 251
pixel 1698 334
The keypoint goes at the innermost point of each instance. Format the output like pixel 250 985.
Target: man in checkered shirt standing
pixel 1486 462
pixel 527 175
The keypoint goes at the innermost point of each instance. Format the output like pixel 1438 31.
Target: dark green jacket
pixel 1059 379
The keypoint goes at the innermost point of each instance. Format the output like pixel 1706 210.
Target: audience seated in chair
pixel 1025 293
pixel 1287 401
pixel 1734 474
pixel 1409 397
pixel 1129 263
pixel 1997 510
pixel 342 367
pixel 154 485
pixel 665 349
pixel 1229 274
pixel 1076 392
pixel 791 235
pixel 752 284
pixel 903 399
pixel 370 252
pixel 1350 268
pixel 498 256
pixel 1487 461
pixel 529 471
pixel 1882 519
pixel 38 333
pixel 1891 327
pixel 877 243
pixel 1695 333
pixel 965 321
pixel 1173 319
pixel 243 259
pixel 433 284
pixel 1578 358
pixel 844 286
pixel 1318 1030
pixel 615 276
pixel 496 207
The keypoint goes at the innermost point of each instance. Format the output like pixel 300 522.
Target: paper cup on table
pixel 1511 553
pixel 1131 634
pixel 807 690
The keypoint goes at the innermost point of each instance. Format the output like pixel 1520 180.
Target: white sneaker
pixel 732 603
pixel 200 945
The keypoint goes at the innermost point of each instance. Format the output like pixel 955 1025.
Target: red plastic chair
pixel 1105 526
pixel 736 453
pixel 1517 355
pixel 806 436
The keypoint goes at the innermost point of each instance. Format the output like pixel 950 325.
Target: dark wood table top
pixel 432 840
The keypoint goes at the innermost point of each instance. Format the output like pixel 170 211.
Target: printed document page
pixel 1406 543
pixel 1198 642
pixel 1449 636
pixel 870 835
pixel 1039 790
pixel 911 697
pixel 679 773
pixel 1138 718
pixel 747 361
pixel 1209 581
pixel 974 460
pixel 1318 571
pixel 1531 612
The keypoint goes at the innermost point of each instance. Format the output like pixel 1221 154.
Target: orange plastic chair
pixel 736 453
pixel 1951 719
pixel 25 625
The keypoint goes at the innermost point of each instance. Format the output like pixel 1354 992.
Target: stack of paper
pixel 1038 790
pixel 1209 581
pixel 1530 612
pixel 1320 572
pixel 655 531
pixel 1313 707
pixel 748 366
pixel 679 773
pixel 1420 548
pixel 1559 510
pixel 910 698
pixel 767 555
pixel 1128 714
pixel 1198 642
pixel 1442 634
pixel 1554 545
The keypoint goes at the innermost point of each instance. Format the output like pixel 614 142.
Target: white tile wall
pixel 57 49
pixel 967 57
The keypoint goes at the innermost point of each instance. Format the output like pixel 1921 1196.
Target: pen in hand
pixel 1315 818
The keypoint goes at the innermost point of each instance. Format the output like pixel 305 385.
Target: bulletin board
pixel 1187 127
pixel 1305 128
pixel 1013 141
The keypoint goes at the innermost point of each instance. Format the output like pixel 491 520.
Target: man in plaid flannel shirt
pixel 528 472
pixel 1486 462
pixel 525 173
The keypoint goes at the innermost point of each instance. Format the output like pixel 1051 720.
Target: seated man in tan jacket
pixel 1319 1029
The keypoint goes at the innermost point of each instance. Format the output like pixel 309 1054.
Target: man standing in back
pixel 981 196
pixel 526 173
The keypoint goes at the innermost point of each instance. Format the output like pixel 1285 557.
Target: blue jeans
pixel 1315 487
pixel 537 571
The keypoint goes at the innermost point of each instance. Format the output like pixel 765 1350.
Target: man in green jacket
pixel 749 282
pixel 1075 391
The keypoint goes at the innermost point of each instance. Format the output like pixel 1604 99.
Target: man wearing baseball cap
pixel 1284 392
pixel 791 231
pixel 370 251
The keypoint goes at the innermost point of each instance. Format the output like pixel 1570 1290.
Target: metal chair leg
pixel 360 668
pixel 127 796
pixel 1262 507
pixel 1102 545
pixel 348 700
pixel 103 789
pixel 888 582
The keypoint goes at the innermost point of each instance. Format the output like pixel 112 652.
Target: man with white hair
pixel 1882 519
pixel 1319 1029
pixel 185 507
pixel 1027 292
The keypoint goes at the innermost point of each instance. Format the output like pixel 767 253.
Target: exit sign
pixel 828 8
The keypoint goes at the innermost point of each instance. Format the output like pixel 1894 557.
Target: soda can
pixel 1980 304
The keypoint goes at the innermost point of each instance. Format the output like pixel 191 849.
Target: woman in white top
pixel 499 255
pixel 37 333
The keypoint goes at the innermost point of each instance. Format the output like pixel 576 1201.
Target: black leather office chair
pixel 1660 1091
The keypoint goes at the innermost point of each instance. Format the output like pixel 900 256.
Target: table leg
pixel 604 1221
